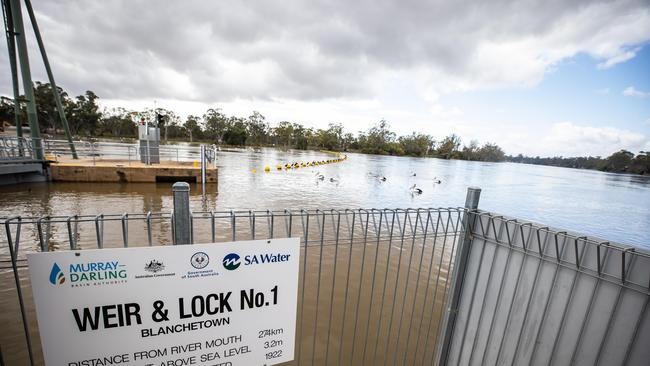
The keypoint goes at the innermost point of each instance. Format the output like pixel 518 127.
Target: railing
pixel 372 282
pixel 15 148
pixel 396 286
pixel 531 295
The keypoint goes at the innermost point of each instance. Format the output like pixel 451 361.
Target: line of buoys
pixel 304 164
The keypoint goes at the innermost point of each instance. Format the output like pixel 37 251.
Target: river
pixel 614 207
pixel 610 206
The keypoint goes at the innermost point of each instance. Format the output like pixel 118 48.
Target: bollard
pixel 458 276
pixel 203 167
pixel 181 215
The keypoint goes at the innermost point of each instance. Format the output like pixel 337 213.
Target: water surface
pixel 615 207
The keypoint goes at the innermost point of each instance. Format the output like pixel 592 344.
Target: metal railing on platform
pixel 14 148
pixel 17 148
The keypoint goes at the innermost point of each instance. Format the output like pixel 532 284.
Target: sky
pixel 548 78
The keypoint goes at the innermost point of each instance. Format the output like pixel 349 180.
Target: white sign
pixel 211 304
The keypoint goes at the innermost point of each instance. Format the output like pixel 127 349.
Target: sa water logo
pixel 56 275
pixel 231 261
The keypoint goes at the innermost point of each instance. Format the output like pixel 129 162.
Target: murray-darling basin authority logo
pixel 231 262
pixel 56 275
pixel 89 274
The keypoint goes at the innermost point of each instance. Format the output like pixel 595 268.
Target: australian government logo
pixel 89 274
pixel 155 269
pixel 199 262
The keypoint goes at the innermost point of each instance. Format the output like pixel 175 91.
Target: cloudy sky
pixel 563 77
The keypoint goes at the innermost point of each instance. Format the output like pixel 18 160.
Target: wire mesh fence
pixel 373 283
pixel 392 286
pixel 537 296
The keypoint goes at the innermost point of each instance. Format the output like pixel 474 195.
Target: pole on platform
pixel 50 76
pixel 203 166
pixel 19 31
pixel 458 275
pixel 181 216
pixel 11 46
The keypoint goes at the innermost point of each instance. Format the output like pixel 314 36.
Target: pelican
pixel 415 190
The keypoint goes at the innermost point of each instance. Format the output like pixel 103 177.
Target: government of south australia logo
pixel 199 260
pixel 231 261
pixel 56 275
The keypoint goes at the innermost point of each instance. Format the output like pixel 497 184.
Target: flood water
pixel 614 207
pixel 610 206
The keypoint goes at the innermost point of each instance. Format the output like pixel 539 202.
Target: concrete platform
pixel 87 170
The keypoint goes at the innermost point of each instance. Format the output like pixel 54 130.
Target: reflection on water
pixel 615 207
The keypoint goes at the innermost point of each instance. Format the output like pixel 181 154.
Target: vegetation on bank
pixel 86 119
pixel 622 161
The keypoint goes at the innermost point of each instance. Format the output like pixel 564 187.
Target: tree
pixel 490 152
pixel 470 152
pixel 236 133
pixel 46 110
pixel 257 129
pixel 377 139
pixel 118 122
pixel 618 161
pixel 193 127
pixel 329 139
pixel 448 147
pixel 301 136
pixel 85 115
pixel 349 142
pixel 416 144
pixel 7 110
pixel 215 124
pixel 641 163
pixel 283 134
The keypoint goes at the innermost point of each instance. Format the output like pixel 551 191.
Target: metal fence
pixel 530 295
pixel 372 282
pixel 12 148
pixel 16 148
pixel 393 286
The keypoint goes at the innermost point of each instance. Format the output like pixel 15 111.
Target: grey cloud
pixel 222 50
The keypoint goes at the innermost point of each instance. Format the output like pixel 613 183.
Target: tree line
pixel 622 161
pixel 88 120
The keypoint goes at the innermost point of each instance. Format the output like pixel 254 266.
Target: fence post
pixel 181 200
pixel 458 276
pixel 203 166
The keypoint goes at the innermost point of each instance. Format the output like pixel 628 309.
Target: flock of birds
pixel 414 189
